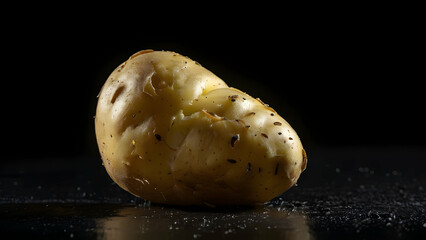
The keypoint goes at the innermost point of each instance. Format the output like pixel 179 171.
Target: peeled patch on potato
pixel 172 132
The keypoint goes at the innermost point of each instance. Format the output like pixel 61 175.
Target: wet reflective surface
pixel 344 194
pixel 113 221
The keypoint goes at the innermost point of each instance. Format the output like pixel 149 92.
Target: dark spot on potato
pixel 233 161
pixel 248 167
pixel 272 114
pixel 233 97
pixel 234 139
pixel 277 123
pixel 157 136
pixel 264 135
pixel 279 133
pixel 122 66
pixel 242 123
pixel 290 138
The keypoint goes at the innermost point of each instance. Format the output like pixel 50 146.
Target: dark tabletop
pixel 345 193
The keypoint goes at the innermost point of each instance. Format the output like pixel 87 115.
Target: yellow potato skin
pixel 172 132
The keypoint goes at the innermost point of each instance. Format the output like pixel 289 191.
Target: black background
pixel 341 77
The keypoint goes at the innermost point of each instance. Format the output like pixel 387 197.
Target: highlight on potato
pixel 171 132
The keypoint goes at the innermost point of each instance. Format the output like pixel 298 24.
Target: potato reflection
pixel 167 223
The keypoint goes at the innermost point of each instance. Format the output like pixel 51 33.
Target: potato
pixel 172 132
